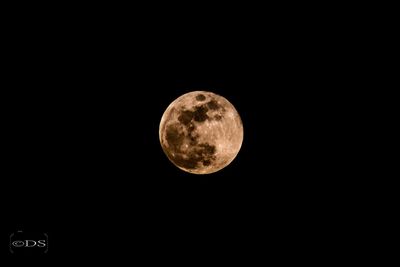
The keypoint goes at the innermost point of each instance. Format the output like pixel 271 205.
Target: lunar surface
pixel 201 132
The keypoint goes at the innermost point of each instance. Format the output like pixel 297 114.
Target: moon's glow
pixel 201 132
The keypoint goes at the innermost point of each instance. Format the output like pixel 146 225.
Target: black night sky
pixel 82 159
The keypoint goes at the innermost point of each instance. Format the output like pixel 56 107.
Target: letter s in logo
pixel 41 243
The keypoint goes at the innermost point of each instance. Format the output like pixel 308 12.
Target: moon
pixel 201 132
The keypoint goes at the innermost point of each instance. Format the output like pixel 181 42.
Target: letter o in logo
pixel 18 243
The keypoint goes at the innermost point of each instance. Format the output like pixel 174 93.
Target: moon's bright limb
pixel 201 132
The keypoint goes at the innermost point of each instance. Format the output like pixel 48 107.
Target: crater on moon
pixel 201 132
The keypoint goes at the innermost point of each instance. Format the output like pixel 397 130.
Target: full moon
pixel 201 132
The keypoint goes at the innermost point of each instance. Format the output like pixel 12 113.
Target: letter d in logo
pixel 30 243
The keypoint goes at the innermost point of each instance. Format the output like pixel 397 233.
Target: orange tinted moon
pixel 201 132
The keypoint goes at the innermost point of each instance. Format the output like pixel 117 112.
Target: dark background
pixel 87 163
pixel 81 105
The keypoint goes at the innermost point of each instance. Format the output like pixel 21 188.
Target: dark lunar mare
pixel 198 152
pixel 213 105
pixel 200 97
